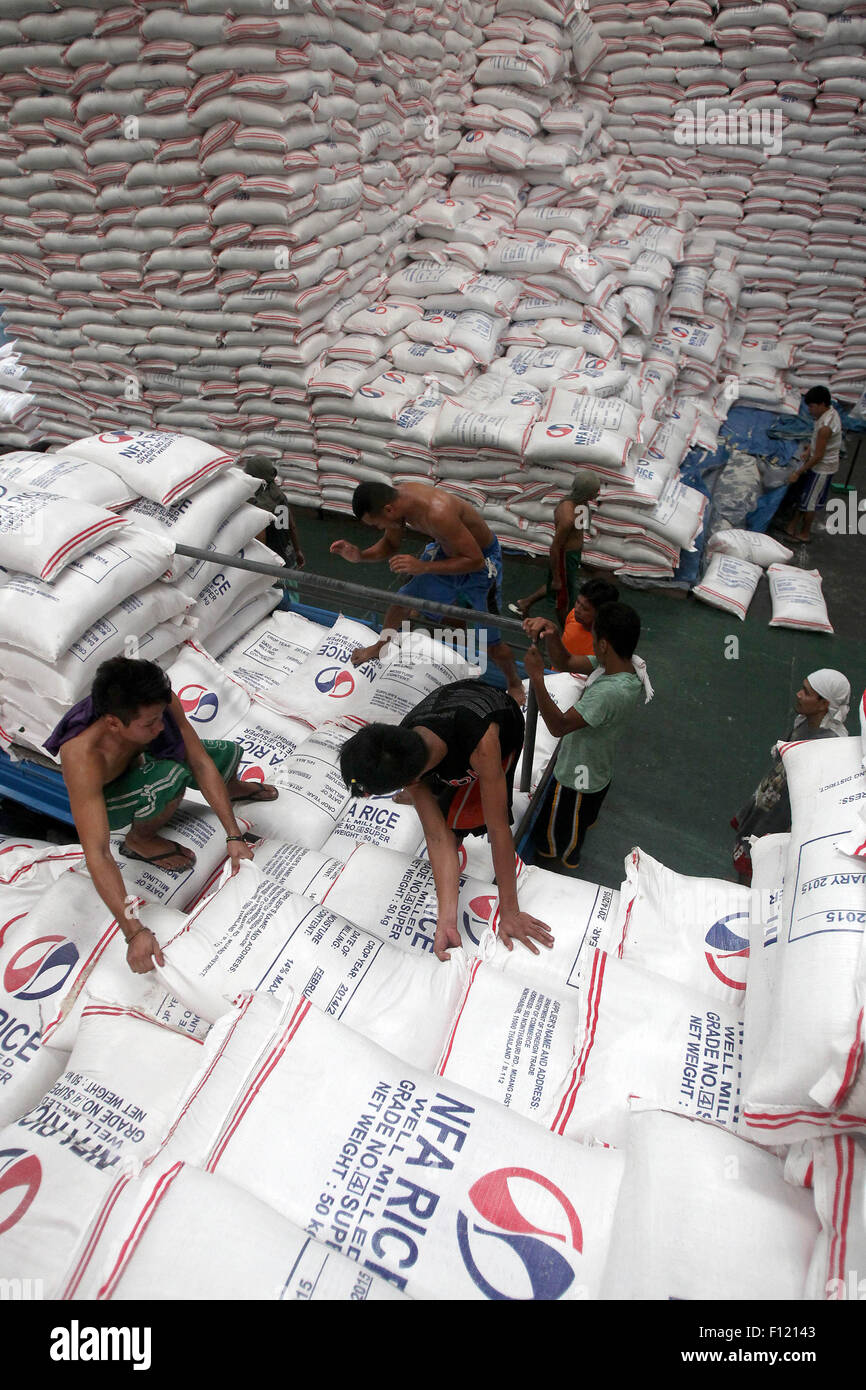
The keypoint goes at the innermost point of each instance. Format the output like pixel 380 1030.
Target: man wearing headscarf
pixel 569 520
pixel 822 708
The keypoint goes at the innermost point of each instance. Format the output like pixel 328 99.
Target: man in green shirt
pixel 589 731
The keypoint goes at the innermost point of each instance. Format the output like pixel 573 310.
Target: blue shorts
pixel 814 488
pixel 481 589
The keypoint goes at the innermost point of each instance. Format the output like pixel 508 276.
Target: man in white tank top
pixel 819 464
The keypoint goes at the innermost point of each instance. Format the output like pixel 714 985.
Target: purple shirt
pixel 168 744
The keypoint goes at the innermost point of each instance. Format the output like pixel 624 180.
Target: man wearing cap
pixel 569 520
pixel 822 708
pixel 281 535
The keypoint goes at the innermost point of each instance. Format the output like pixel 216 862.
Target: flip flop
pixel 158 858
pixel 255 793
pixel 515 608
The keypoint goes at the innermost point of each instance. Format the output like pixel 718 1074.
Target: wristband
pixel 130 939
pixel 229 838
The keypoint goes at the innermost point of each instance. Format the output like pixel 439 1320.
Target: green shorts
pixel 566 598
pixel 145 790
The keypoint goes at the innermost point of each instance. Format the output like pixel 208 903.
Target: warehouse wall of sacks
pixel 668 1103
pixel 388 243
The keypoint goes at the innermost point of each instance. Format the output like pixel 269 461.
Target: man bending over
pixel 461 565
pixel 128 753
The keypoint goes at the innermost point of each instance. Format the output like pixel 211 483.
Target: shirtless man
pixel 566 547
pixel 128 753
pixel 463 562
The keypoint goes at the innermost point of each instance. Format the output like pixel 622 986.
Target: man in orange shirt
pixel 577 633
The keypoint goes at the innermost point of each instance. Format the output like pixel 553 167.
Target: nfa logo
pixel 18 1170
pixel 370 392
pixel 336 682
pixel 40 967
pixel 479 916
pixel 198 703
pixel 559 431
pixel 394 376
pixel 524 398
pixel 680 332
pixel 654 453
pixel 377 309
pixel 725 947
pixel 118 437
pixel 539 1261
pixel 446 348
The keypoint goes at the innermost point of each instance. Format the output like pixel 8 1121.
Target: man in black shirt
pixel 454 755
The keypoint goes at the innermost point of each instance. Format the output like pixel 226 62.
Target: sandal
pixel 256 793
pixel 158 858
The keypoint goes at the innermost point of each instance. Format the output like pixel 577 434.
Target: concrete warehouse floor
pixel 692 757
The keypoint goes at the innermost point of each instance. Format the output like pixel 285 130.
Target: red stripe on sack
pixel 242 1009
pixel 577 1075
pixel 440 1070
pixel 842 1232
pixel 81 978
pixel 342 871
pixel 184 484
pixel 804 1117
pixel 839 1157
pixel 255 1087
pixel 127 1249
pixel 25 868
pixel 93 1238
pixel 855 1057
pixel 94 530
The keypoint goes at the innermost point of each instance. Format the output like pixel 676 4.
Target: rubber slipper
pixel 255 794
pixel 515 608
pixel 158 858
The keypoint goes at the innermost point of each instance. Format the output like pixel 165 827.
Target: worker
pixel 818 466
pixel 570 519
pixel 453 757
pixel 128 754
pixel 461 565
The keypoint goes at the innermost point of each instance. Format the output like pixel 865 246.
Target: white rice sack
pixel 252 934
pixel 312 795
pixel 641 1035
pixel 419 665
pixel 306 871
pixel 501 426
pixel 46 619
pixel 164 467
pixel 689 1189
pixel 403 910
pixel 512 1043
pixel 729 583
pixel 755 546
pixel 41 532
pixel 375 820
pixel 232 588
pixel 122 1083
pixel 233 536
pixel 210 698
pixel 196 520
pixel 839 1185
pixel 241 618
pixel 194 828
pixel 248 1253
pixel 66 476
pixel 386 1120
pixel 271 651
pixel 797 599
pixel 808 1080
pixel 692 930
pixel 143 621
pixel 326 685
pixel 677 516
pixel 585 430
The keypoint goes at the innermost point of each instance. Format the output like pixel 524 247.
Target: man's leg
pixel 524 604
pixel 806 520
pixel 142 839
pixel 394 618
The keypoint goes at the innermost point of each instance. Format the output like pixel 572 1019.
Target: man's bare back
pixel 433 512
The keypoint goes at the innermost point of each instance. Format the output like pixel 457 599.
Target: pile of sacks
pixel 753 116
pixel 18 419
pixel 89 570
pixel 661 1106
pixel 736 562
pixel 195 202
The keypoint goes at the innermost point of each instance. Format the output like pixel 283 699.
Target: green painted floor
pixel 694 755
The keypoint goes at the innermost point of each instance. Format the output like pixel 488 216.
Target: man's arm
pixel 821 441
pixel 388 545
pixel 444 525
pixel 559 722
pixel 211 786
pixel 514 925
pixel 442 849
pixel 560 657
pixel 564 523
pixel 87 803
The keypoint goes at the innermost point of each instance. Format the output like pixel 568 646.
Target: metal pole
pixel 344 589
pixel 531 717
